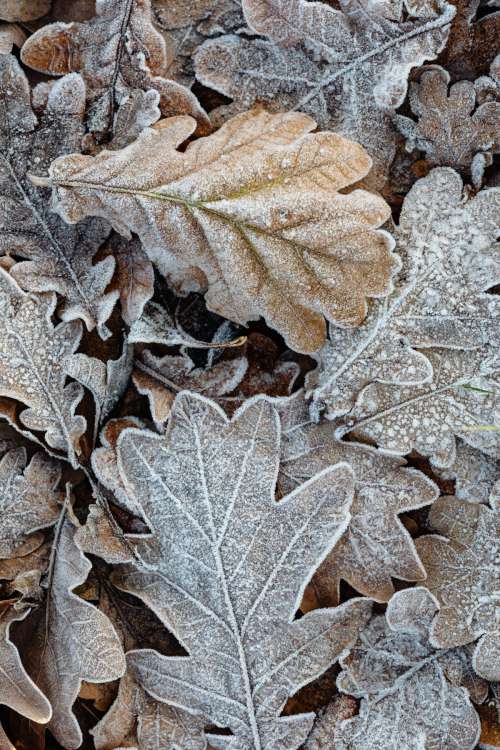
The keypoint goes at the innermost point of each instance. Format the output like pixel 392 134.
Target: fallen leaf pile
pixel 249 375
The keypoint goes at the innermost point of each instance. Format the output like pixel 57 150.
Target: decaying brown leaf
pixel 116 53
pixel 463 575
pixel 23 10
pixel 261 214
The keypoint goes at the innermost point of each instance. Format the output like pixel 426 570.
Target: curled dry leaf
pixel 347 68
pixel 227 590
pixel 260 213
pixel 33 355
pixel 412 695
pixel 463 575
pixel 451 129
pixel 17 689
pixel 11 34
pixel 322 736
pixel 67 640
pixel 399 378
pixel 28 498
pixel 59 257
pixel 376 545
pixel 116 52
pixel 472 43
pixel 135 277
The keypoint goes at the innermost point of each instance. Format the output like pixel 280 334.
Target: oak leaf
pixel 28 498
pixel 33 356
pixel 58 257
pixel 451 129
pixel 116 52
pixel 472 41
pixel 206 490
pixel 412 695
pixel 67 639
pixel 476 475
pixel 260 212
pixel 17 690
pixel 376 545
pixel 463 576
pixel 347 68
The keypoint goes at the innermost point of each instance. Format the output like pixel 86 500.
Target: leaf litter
pixel 249 375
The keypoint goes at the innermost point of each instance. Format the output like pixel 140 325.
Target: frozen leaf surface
pixel 135 277
pixel 376 545
pixel 462 573
pixel 412 695
pixel 476 475
pixel 347 68
pixel 448 246
pixel 256 208
pixel 58 257
pixel 33 355
pixel 450 129
pixel 28 497
pixel 116 52
pixel 17 690
pixel 472 43
pixel 226 568
pixel 70 640
pixel 154 725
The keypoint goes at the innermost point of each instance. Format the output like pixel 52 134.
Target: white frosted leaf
pixel 476 475
pixel 254 209
pixel 28 498
pixel 410 697
pixel 33 359
pixel 463 574
pixel 228 589
pixel 376 545
pixel 56 257
pixel 70 640
pixel 447 242
pixel 347 68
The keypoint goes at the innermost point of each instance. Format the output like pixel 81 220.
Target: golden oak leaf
pixel 256 207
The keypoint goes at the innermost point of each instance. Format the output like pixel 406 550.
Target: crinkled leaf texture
pixel 28 498
pixel 376 545
pixel 33 355
pixel 256 208
pixel 68 640
pixel 398 378
pixel 121 57
pixel 347 68
pixel 413 697
pixel 57 257
pixel 463 574
pixel 226 568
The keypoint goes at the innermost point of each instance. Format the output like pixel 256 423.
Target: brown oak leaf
pixel 261 215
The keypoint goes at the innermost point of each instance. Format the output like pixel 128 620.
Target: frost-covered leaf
pixel 256 208
pixel 17 690
pixel 476 475
pixel 375 545
pixel 154 725
pixel 322 736
pixel 68 640
pixel 33 359
pixel 227 589
pixel 451 129
pixel 11 34
pixel 348 68
pixel 58 257
pixel 28 497
pixel 462 573
pixel 116 52
pixel 23 10
pixel 447 243
pixel 413 696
